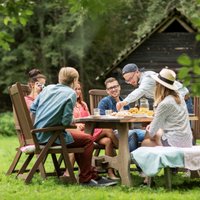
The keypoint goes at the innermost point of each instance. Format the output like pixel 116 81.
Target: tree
pixel 190 70
pixel 85 34
pixel 12 14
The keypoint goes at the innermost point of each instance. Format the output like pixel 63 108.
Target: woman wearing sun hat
pixel 171 114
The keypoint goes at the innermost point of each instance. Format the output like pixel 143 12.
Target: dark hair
pixel 34 74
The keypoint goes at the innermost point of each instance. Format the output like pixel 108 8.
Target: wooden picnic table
pixel 120 162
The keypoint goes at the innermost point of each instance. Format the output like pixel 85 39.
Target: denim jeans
pixel 132 142
pixel 189 105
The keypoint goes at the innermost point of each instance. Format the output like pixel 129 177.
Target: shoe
pixel 106 182
pixel 91 183
pixel 114 178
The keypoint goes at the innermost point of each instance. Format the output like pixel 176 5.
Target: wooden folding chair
pixel 28 134
pixel 95 95
pixel 12 168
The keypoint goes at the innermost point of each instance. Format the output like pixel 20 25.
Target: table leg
pixel 124 155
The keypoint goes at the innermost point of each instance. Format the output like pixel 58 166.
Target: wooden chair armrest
pixel 54 128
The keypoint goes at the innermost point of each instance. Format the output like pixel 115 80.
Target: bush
pixel 7 124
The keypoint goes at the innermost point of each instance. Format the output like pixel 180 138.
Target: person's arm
pixel 68 110
pixel 146 88
pixel 159 119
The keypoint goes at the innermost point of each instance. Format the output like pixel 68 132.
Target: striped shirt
pixel 173 118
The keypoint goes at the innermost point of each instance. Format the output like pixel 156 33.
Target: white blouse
pixel 173 118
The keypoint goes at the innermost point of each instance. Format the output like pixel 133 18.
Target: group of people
pixel 58 104
pixel 170 125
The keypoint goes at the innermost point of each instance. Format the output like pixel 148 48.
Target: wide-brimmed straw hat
pixel 167 78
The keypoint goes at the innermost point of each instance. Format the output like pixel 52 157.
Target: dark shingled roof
pixel 165 22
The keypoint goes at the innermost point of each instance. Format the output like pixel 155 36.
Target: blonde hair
pixel 161 92
pixel 67 75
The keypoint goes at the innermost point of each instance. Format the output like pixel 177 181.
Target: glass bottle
pixel 144 105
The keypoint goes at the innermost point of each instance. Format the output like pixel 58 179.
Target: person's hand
pixel 80 127
pixel 120 105
pixel 147 128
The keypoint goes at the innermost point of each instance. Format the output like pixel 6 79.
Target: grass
pixel 51 188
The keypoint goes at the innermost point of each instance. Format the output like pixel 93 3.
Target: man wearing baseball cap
pixel 145 85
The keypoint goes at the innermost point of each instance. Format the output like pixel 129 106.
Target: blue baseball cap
pixel 129 68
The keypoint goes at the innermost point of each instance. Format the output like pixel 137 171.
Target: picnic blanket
pixel 152 159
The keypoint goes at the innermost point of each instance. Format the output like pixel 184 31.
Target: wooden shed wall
pixel 158 51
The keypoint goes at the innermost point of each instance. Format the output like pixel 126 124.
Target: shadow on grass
pixel 178 182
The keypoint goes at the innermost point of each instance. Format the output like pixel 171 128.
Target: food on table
pixel 150 113
pixel 141 111
pixel 123 113
pixel 133 110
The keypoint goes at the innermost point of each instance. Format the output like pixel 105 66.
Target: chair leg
pixel 56 164
pixel 168 178
pixel 40 159
pixel 60 159
pixel 14 163
pixel 67 160
pixel 26 163
pixel 42 168
pixel 97 152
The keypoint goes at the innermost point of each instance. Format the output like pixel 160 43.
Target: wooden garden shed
pixel 173 36
pixel 160 47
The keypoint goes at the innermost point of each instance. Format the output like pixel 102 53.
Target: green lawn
pixel 12 188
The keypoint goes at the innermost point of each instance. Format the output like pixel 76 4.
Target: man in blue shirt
pixel 109 103
pixel 54 106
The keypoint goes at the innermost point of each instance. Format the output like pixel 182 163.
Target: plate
pixel 140 115
pixel 111 117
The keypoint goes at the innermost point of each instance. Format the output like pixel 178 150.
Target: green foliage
pixel 94 9
pixel 7 124
pixel 5 39
pixel 190 73
pixel 85 34
pixel 13 13
pixel 190 70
